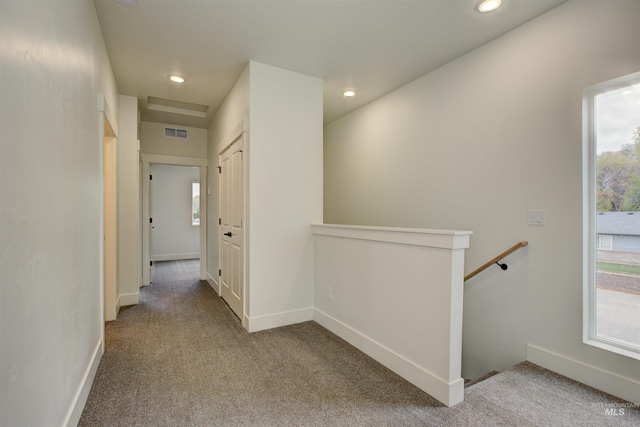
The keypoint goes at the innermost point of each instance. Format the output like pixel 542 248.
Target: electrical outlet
pixel 330 293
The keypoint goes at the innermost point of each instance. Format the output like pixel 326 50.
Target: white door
pixel 232 226
pixel 151 226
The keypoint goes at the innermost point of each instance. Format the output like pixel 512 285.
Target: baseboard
pixel 80 399
pixel 447 393
pixel 175 257
pixel 129 299
pixel 276 320
pixel 213 283
pixel 622 387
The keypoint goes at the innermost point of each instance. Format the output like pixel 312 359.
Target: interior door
pixel 151 226
pixel 232 226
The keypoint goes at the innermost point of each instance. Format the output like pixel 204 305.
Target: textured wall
pixel 53 64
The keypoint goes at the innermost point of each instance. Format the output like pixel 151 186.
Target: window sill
pixel 613 346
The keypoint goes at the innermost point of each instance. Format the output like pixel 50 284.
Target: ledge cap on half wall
pixel 446 239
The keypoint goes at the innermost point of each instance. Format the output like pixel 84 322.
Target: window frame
pixel 589 217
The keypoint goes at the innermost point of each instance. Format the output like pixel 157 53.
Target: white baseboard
pixel 80 399
pixel 276 320
pixel 129 299
pixel 447 393
pixel 214 283
pixel 622 387
pixel 175 257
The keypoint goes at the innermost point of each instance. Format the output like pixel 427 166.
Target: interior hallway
pixel 180 358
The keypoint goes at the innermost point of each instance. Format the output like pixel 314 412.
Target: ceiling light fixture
pixel 176 78
pixel 349 93
pixel 488 5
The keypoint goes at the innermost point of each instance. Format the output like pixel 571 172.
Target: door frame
pixel 107 128
pixel 239 131
pixel 147 160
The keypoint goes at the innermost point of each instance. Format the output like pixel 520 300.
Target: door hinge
pixel 150 220
pixel 150 263
pixel 219 169
pixel 150 177
pixel 219 272
pixel 220 221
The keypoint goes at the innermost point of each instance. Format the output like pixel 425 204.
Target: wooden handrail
pixel 496 259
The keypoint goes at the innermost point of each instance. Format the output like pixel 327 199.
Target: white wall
pixel 233 111
pixel 285 193
pixel 473 146
pixel 173 235
pixel 128 202
pixel 397 295
pixel 54 64
pixel 285 189
pixel 153 141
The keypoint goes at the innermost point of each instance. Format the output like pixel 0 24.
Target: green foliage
pixel 618 178
pixel 195 207
pixel 631 201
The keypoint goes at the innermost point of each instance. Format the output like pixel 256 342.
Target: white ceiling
pixel 372 46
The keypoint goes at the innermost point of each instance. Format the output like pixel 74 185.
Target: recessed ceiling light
pixel 349 93
pixel 488 5
pixel 176 78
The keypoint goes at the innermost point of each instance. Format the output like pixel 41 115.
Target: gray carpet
pixel 180 358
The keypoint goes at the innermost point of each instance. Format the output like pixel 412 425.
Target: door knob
pixel 228 234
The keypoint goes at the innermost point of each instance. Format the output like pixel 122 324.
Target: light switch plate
pixel 535 217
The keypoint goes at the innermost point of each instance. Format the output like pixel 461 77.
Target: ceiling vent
pixel 175 133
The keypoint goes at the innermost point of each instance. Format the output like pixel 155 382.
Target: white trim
pixel 104 108
pixel 160 159
pixel 147 160
pixel 619 386
pixel 589 217
pixel 214 284
pixel 203 223
pixel 129 299
pixel 276 320
pixel 175 257
pixel 236 132
pixel 144 223
pixel 447 239
pixel 447 393
pixel 240 130
pixel 82 393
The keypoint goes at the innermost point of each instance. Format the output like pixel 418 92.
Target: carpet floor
pixel 181 358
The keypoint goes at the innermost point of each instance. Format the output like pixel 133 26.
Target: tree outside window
pixel 195 203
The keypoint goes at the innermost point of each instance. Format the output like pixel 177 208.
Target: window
pixel 195 203
pixel 611 188
pixel 605 242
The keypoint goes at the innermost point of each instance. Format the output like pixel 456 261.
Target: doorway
pixel 152 224
pixel 110 276
pixel 175 211
pixel 231 161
